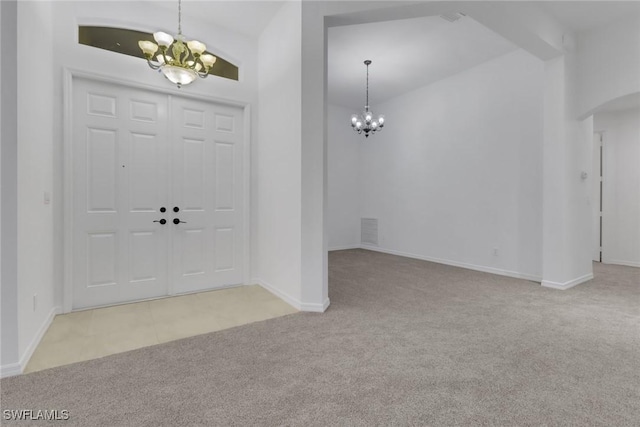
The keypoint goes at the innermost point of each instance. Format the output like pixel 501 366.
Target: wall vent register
pixel 369 231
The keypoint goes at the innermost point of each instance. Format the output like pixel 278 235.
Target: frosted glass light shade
pixel 208 60
pixel 163 39
pixel 196 47
pixel 147 47
pixel 178 75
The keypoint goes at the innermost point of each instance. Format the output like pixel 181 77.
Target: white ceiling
pixel 248 17
pixel 624 103
pixel 406 54
pixel 587 15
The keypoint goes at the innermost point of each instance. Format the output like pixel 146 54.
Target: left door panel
pixel 120 182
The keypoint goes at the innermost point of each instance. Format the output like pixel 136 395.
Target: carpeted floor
pixel 405 342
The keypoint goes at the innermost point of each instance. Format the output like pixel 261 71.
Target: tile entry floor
pixel 91 334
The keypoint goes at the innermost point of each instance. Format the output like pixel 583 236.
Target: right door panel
pixel 207 189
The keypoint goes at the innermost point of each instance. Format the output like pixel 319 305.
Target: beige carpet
pixel 405 342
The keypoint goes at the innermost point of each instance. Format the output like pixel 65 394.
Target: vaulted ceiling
pixel 411 53
pixel 406 54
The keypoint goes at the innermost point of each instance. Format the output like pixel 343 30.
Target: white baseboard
pixel 10 370
pixel 481 268
pixel 316 308
pixel 294 302
pixel 344 247
pixel 17 368
pixel 619 262
pixel 31 348
pixel 567 285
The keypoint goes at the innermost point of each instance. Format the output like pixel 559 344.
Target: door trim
pixel 69 74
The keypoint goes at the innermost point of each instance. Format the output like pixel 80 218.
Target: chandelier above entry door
pixel 365 122
pixel 180 61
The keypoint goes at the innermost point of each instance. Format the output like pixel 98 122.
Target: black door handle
pixel 176 209
pixel 163 209
pixel 177 221
pixel 161 221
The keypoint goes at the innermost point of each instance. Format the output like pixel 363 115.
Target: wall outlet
pixel 495 251
pixel 35 301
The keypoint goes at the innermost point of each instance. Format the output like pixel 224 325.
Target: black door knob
pixel 163 209
pixel 176 209
pixel 161 221
pixel 177 221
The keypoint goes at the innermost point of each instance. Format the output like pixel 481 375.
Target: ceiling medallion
pixel 365 122
pixel 180 61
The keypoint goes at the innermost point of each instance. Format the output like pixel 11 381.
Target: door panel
pixel 119 183
pixel 207 189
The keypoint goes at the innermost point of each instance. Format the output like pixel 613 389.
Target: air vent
pixel 369 231
pixel 452 16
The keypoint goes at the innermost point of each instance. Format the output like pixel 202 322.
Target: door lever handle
pixel 161 221
pixel 177 221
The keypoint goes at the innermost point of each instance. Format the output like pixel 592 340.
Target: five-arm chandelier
pixel 180 61
pixel 365 123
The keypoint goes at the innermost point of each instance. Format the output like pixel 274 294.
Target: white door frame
pixel 67 170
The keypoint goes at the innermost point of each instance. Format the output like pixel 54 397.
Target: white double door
pixel 136 153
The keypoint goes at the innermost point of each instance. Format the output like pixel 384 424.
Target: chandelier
pixel 365 122
pixel 180 61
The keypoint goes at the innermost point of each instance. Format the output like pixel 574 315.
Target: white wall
pixel 9 356
pixel 35 172
pixel 343 174
pixel 576 196
pixel 609 63
pixel 456 173
pixel 276 210
pixel 621 186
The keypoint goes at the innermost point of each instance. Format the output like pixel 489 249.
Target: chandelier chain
pixel 179 17
pixel 367 104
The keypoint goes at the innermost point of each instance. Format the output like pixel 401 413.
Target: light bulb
pixel 374 125
pixel 194 65
pixel 354 119
pixel 368 117
pixel 381 120
pixel 160 59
